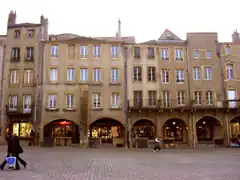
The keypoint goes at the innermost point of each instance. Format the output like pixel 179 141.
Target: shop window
pixel 22 129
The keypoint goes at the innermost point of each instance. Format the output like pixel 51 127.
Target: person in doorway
pixel 14 149
pixel 33 137
pixel 157 145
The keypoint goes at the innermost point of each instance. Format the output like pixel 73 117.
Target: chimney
pixel 12 18
pixel 118 34
pixel 235 37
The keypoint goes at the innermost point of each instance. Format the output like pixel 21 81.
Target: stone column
pixel 129 132
pixel 159 131
pixel 194 133
pixel 190 130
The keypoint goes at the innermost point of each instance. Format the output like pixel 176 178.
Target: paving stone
pixel 122 164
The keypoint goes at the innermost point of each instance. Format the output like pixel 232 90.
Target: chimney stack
pixel 235 37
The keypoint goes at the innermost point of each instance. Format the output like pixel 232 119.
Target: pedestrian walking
pixel 14 149
pixel 157 145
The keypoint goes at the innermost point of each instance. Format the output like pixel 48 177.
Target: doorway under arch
pixel 208 129
pixel 143 128
pixel 107 130
pixel 61 128
pixel 235 126
pixel 175 129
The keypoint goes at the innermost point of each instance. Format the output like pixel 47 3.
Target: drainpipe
pixel 125 84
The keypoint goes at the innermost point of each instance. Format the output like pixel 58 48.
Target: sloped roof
pixel 126 39
pixel 23 25
pixel 169 35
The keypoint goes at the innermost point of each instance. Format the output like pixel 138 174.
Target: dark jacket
pixel 14 146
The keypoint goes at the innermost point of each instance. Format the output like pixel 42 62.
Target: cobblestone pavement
pixel 123 164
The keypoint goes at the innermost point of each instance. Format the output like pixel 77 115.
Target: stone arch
pixel 151 119
pixel 143 128
pixel 208 129
pixel 105 117
pixel 176 129
pixel 61 128
pixel 46 122
pixel 235 126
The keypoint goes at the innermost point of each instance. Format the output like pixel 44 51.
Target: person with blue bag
pixel 13 151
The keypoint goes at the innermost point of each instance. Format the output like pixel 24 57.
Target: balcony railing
pixel 29 58
pixel 18 110
pixel 15 58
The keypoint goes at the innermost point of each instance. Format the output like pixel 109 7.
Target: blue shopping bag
pixel 11 161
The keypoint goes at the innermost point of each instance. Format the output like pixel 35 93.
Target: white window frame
pixel 115 100
pixel 196 54
pixel 198 97
pixel 115 51
pixel 30 52
pixel 96 100
pixel 196 73
pixel 179 76
pixel 152 98
pixel 70 74
pixel 83 74
pixel 114 75
pixel 96 75
pixel 52 101
pixel 209 98
pixel 13 75
pixel 227 50
pixel 208 54
pixel 166 99
pixel 179 54
pixel 54 51
pixel 152 74
pixel 164 54
pixel 229 72
pixel 53 74
pixel 96 51
pixel 69 101
pixel 28 80
pixel 12 102
pixel 137 78
pixel 207 73
pixel 164 74
pixel 83 52
pixel 16 52
pixel 181 98
pixel 27 102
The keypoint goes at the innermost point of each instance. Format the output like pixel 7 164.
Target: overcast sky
pixel 145 20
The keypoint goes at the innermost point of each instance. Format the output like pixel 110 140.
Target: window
pixel 152 98
pixel 150 52
pixel 165 76
pixel 151 74
pixel 227 50
pixel 15 54
pixel 14 76
pixel 181 98
pixel 208 73
pixel 209 98
pixel 52 101
pixel 12 102
pixel 96 51
pixel 69 101
pixel 114 75
pixel 229 72
pixel 28 76
pixel 115 100
pixel 83 74
pixel 27 103
pixel 166 99
pixel 31 33
pixel 96 97
pixel 22 129
pixel 53 74
pixel 164 54
pixel 83 51
pixel 180 76
pixel 115 51
pixel 96 74
pixel 209 54
pixel 179 54
pixel 29 53
pixel 196 73
pixel 137 53
pixel 17 34
pixel 70 74
pixel 198 97
pixel 138 98
pixel 196 54
pixel 137 74
pixel 54 51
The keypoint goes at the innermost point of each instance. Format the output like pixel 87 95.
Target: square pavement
pixel 122 164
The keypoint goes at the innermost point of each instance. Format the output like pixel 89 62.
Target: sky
pixel 146 20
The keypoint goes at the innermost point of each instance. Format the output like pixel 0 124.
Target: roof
pixel 168 35
pixel 126 39
pixel 20 25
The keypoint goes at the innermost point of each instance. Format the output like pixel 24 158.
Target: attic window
pixel 227 50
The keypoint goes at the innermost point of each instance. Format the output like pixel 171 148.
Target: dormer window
pixel 17 34
pixel 227 50
pixel 30 33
